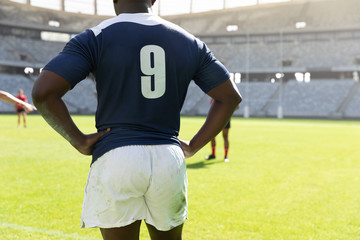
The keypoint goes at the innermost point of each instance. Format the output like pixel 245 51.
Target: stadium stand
pixel 329 53
pixel 194 95
pixel 320 99
pixel 353 108
pixel 81 100
pixel 33 50
pixel 7 52
pixel 315 99
pixel 257 95
pixel 265 18
pixel 14 14
pixel 266 42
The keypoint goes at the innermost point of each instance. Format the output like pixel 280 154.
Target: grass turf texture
pixel 286 179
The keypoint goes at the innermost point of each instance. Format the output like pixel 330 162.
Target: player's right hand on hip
pixel 86 147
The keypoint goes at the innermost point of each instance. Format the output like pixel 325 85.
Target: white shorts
pixel 132 183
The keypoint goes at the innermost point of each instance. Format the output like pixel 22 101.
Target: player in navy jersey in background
pixel 143 65
pixel 225 134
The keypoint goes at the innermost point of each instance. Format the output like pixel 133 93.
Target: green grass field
pixel 286 179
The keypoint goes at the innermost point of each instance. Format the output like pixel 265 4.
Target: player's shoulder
pixel 175 27
pixel 84 38
pixel 127 18
pixel 145 19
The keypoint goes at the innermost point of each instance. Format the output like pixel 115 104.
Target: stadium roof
pixel 162 7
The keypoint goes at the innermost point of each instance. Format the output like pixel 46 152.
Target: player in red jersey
pixel 20 110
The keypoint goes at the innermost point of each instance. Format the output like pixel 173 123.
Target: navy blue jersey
pixel 143 65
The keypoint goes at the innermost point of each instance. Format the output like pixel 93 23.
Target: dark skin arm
pixel 47 92
pixel 226 99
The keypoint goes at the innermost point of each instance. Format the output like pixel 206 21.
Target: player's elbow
pixel 49 87
pixel 233 98
pixel 39 95
pixel 237 99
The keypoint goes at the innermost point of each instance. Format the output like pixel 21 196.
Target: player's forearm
pixel 226 100
pixel 218 116
pixel 47 92
pixel 56 114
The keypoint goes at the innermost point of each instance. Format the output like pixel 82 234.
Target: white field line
pixel 45 231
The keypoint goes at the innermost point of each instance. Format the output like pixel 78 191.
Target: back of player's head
pixel 152 1
pixel 132 5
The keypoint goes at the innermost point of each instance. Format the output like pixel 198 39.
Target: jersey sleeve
pixel 77 59
pixel 211 72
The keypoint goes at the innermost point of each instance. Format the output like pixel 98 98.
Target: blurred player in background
pixel 143 66
pixel 225 134
pixel 19 108
pixel 9 98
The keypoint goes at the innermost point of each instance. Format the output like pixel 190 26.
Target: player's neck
pixel 134 8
